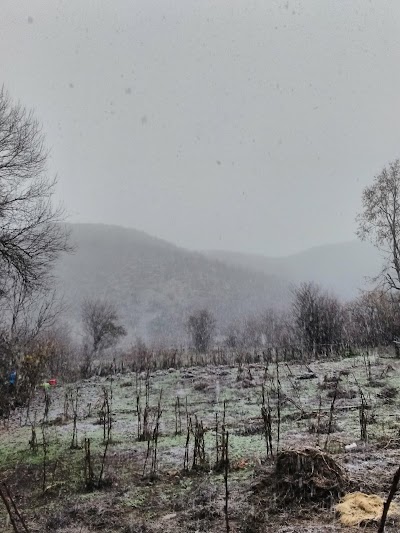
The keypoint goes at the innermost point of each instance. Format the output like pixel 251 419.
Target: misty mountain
pixel 343 268
pixel 155 285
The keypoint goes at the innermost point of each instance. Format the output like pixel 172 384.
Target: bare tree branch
pixel 31 233
pixel 379 221
pixel 100 323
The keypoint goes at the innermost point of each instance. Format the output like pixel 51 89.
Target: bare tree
pixel 201 327
pixel 31 234
pixel 100 323
pixel 379 221
pixel 251 335
pixel 233 335
pixel 269 329
pixel 373 319
pixel 273 327
pixel 318 318
pixel 26 313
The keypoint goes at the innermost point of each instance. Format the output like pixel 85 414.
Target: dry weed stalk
pixel 331 411
pixel 89 474
pixel 363 417
pixel 199 454
pixel 319 418
pixel 33 442
pixel 74 404
pixel 152 444
pixel 386 506
pixel 226 475
pixel 45 443
pixel 187 445
pixel 143 415
pixel 363 413
pixel 221 444
pixel 178 417
pixel 45 446
pixel 12 510
pixel 278 407
pixel 266 413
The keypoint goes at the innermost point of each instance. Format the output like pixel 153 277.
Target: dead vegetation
pixel 153 451
pixel 308 475
pixel 359 509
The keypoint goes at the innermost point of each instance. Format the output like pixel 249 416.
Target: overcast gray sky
pixel 232 124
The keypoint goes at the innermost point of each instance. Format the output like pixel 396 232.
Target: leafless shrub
pixel 200 327
pixel 100 323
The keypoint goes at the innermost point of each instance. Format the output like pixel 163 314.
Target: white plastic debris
pixel 351 446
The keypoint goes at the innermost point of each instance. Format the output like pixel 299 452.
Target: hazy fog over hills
pixel 155 284
pixel 344 268
pixel 249 127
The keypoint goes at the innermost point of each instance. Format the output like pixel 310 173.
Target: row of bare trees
pixel 317 319
pixel 316 322
pixel 321 321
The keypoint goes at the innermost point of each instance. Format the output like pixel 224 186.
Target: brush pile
pixel 308 475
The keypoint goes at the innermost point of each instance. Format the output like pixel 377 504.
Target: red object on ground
pixel 52 382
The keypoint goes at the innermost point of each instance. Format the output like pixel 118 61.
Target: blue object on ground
pixel 13 377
